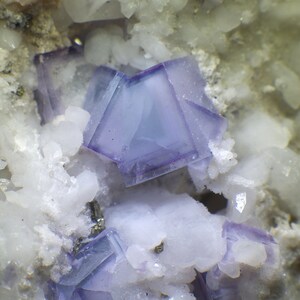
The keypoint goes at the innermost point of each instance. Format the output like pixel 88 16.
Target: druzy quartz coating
pixel 149 124
pixel 91 270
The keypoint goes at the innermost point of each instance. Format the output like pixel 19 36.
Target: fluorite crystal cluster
pixel 154 122
pixel 150 124
pixel 91 270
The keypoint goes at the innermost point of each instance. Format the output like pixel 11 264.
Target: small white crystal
pixel 259 131
pixel 223 158
pixel 232 269
pixel 9 39
pixel 61 18
pixel 288 83
pixel 98 47
pixel 137 224
pixel 84 11
pixel 249 253
pixel 69 143
pixel 3 164
pixel 285 177
pixel 227 17
pixel 51 244
pixel 52 151
pixel 77 116
pixel 143 260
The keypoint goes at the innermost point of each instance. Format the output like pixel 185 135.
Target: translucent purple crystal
pixel 91 270
pixel 150 124
pixel 156 121
pixel 63 78
pixel 103 87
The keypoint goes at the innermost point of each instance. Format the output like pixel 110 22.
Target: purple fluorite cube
pixel 91 270
pixel 156 121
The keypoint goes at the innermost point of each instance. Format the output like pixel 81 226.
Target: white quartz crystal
pixel 284 178
pixel 77 116
pixel 9 39
pixel 84 11
pixel 249 253
pixel 259 131
pixel 288 83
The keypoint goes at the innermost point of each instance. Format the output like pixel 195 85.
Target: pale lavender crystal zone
pixel 91 270
pixel 156 122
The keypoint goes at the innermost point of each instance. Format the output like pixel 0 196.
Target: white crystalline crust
pixel 253 79
pixel 42 205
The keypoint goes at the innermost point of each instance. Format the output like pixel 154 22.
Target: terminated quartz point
pixel 91 271
pixel 150 124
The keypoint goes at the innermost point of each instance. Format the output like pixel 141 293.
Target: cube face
pixel 203 121
pixel 187 82
pixel 100 96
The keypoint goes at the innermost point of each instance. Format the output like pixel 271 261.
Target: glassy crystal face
pixel 150 124
pixel 157 121
pixel 91 270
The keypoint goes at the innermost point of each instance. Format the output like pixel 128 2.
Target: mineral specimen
pixel 47 181
pixel 150 124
